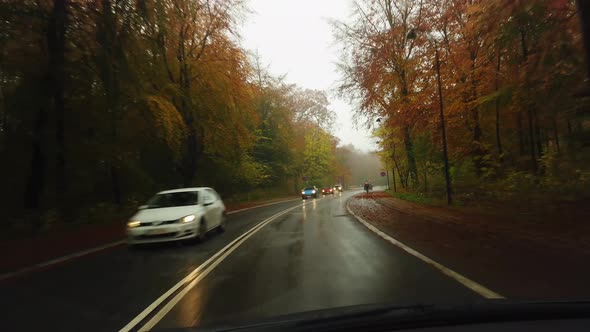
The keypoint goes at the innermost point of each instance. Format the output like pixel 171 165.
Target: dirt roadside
pixel 511 255
pixel 28 251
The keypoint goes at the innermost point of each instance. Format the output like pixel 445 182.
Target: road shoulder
pixel 43 250
pixel 512 264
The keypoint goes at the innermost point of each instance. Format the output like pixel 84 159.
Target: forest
pixel 103 103
pixel 508 77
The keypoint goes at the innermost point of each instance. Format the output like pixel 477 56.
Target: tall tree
pixel 379 64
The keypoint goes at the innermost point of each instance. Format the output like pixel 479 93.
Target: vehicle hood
pixel 163 214
pixel 393 317
pixel 309 191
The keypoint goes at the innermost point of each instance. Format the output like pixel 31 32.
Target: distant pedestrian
pixel 367 186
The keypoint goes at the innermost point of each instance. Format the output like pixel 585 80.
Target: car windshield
pixel 173 199
pixel 153 155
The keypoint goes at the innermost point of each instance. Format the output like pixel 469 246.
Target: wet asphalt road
pixel 316 256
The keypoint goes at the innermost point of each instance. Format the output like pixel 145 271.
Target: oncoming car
pixel 179 214
pixel 328 191
pixel 311 191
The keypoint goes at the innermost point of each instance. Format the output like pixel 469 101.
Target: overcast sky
pixel 294 37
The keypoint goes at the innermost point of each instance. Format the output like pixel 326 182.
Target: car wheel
pixel 222 222
pixel 202 230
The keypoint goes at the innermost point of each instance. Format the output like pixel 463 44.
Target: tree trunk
pixel 519 129
pixel 56 52
pixel 3 110
pixel 108 39
pixel 401 179
pixel 538 134
pixel 477 149
pixel 36 179
pixel 116 185
pixel 476 127
pixel 443 131
pixel 192 153
pixel 529 107
pixel 556 135
pixel 532 138
pixel 584 10
pixel 497 106
pixel 191 157
pixel 407 179
pixel 412 168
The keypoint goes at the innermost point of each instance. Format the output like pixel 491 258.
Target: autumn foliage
pixel 515 95
pixel 104 102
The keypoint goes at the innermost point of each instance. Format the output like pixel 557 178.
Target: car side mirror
pixel 207 202
pixel 143 207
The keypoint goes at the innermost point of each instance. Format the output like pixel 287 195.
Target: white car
pixel 179 214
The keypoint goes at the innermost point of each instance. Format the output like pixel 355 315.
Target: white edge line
pixel 160 314
pixel 267 204
pixel 68 257
pixel 474 286
pixel 133 323
pixel 60 259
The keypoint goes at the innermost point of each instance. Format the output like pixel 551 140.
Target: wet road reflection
pixel 191 310
pixel 314 257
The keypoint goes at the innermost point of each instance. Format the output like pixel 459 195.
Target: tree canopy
pixel 105 102
pixel 511 74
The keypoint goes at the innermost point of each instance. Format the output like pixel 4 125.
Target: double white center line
pixel 191 280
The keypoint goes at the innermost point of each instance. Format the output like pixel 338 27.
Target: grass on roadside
pixel 412 197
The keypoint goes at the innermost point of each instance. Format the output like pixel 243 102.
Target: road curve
pixel 312 257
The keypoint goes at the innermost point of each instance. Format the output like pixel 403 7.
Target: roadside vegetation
pixel 514 88
pixel 416 197
pixel 103 103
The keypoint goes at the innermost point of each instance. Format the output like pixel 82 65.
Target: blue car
pixel 309 192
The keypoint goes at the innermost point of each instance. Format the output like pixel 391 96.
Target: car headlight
pixel 303 193
pixel 188 218
pixel 133 223
pixel 313 191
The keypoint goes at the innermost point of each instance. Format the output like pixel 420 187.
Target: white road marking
pixel 267 204
pixel 60 259
pixel 474 286
pixel 68 257
pixel 194 277
pixel 157 317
